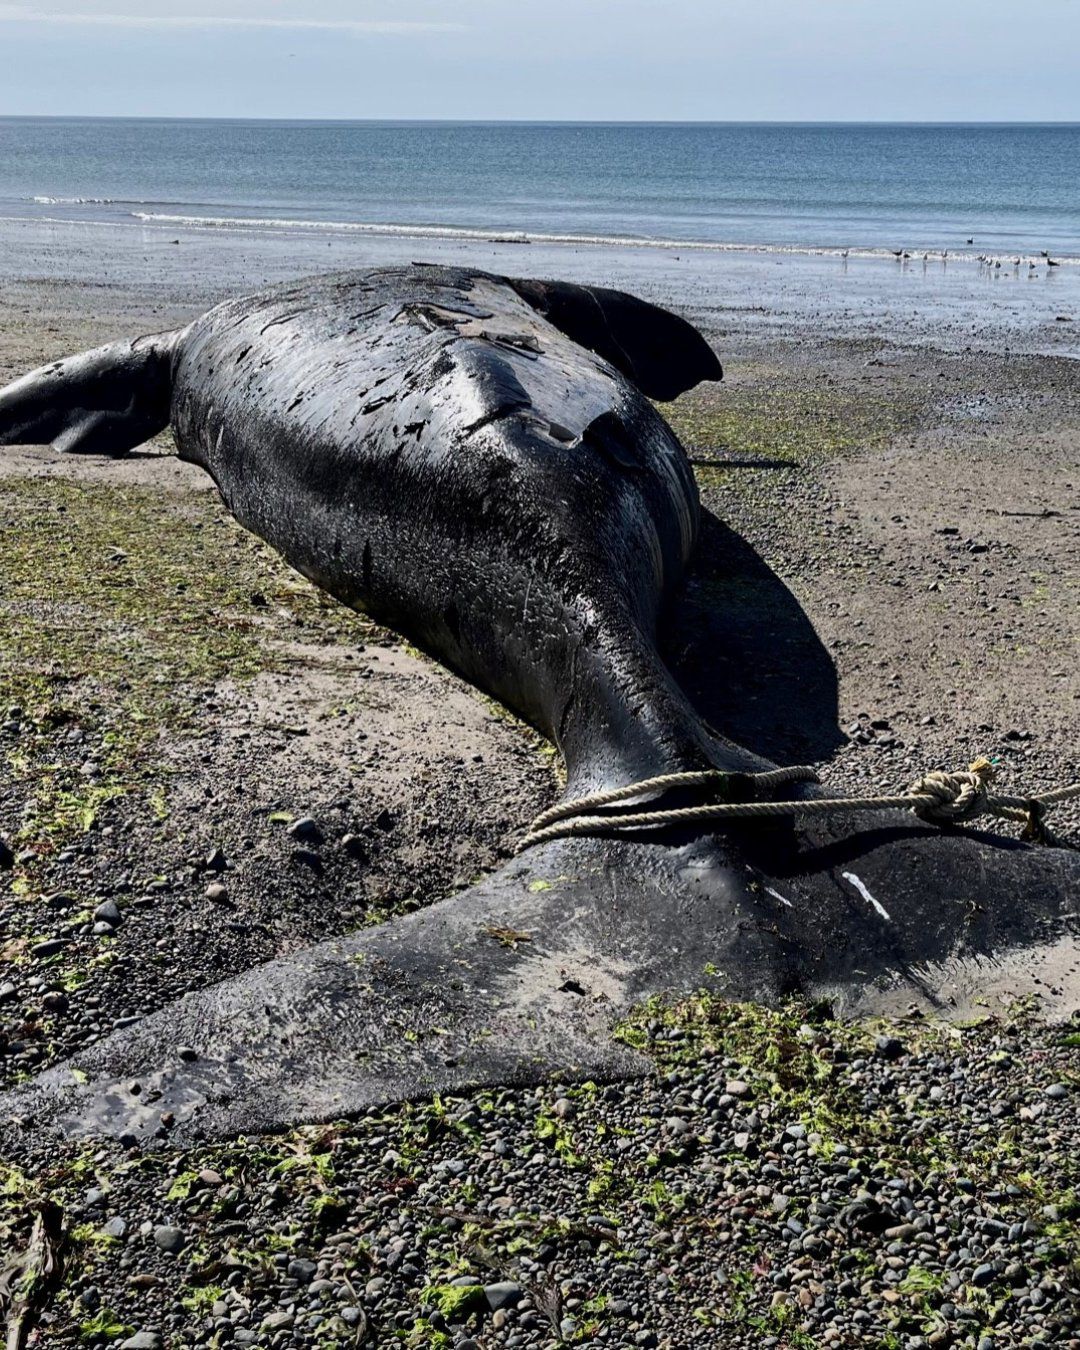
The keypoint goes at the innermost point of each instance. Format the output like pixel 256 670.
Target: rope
pixel 939 797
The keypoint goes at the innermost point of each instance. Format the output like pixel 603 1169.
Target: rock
pixel 8 992
pixel 302 1270
pixel 102 929
pixel 355 847
pixel 142 1340
pixel 114 1227
pixel 169 1239
pixel 50 947
pixel 983 1275
pixel 1056 1091
pixel 187 1053
pixel 109 912
pixel 306 829
pixel 7 858
pixel 217 892
pixel 735 1087
pixel 504 1295
pixel 888 1047
pixel 215 861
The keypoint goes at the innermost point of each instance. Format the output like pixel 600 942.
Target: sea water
pixel 968 191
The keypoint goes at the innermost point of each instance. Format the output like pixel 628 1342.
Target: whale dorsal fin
pixel 662 353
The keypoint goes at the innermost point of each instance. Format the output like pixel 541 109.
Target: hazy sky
pixel 617 59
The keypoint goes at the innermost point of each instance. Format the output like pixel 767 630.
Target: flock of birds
pixel 984 259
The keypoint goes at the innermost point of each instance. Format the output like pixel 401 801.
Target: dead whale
pixel 476 462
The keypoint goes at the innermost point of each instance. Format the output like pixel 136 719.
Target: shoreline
pixel 730 293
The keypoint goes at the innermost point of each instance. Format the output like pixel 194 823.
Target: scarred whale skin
pixel 476 462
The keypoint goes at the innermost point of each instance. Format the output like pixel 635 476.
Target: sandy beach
pixel 887 583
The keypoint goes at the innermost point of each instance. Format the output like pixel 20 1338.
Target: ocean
pixel 1013 191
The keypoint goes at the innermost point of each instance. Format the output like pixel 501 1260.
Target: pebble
pixel 108 912
pixel 306 829
pixel 142 1340
pixel 169 1239
pixel 302 1270
pixel 503 1295
pixel 50 947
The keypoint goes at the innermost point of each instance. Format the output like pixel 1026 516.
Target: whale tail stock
pixel 102 402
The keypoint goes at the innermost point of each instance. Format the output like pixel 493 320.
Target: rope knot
pixel 953 798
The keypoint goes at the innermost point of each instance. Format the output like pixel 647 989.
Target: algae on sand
pixel 120 611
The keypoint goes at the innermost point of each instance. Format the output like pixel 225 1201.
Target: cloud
pixel 25 14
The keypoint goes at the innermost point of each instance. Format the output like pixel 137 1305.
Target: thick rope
pixel 939 797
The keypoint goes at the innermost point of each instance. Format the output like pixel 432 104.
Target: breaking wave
pixel 497 236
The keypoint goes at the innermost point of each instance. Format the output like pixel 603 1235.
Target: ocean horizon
pixel 966 191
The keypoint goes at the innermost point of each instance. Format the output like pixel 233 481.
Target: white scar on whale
pixel 855 881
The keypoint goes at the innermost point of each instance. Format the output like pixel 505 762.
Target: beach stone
pixel 355 847
pixel 109 912
pixel 169 1239
pixel 7 992
pixel 503 1295
pixel 50 947
pixel 7 857
pixel 302 1269
pixel 142 1340
pixel 306 829
pixel 217 892
pixel 1056 1091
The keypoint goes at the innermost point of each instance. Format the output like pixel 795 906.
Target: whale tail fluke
pixel 102 402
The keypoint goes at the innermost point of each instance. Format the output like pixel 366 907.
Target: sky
pixel 787 60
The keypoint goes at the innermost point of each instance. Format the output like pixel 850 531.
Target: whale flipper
pixel 102 402
pixel 659 351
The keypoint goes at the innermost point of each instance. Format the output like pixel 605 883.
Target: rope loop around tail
pixel 939 797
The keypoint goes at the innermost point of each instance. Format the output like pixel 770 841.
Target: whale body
pixel 477 462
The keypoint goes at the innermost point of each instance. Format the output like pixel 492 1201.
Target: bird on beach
pixel 1050 262
pixel 972 240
